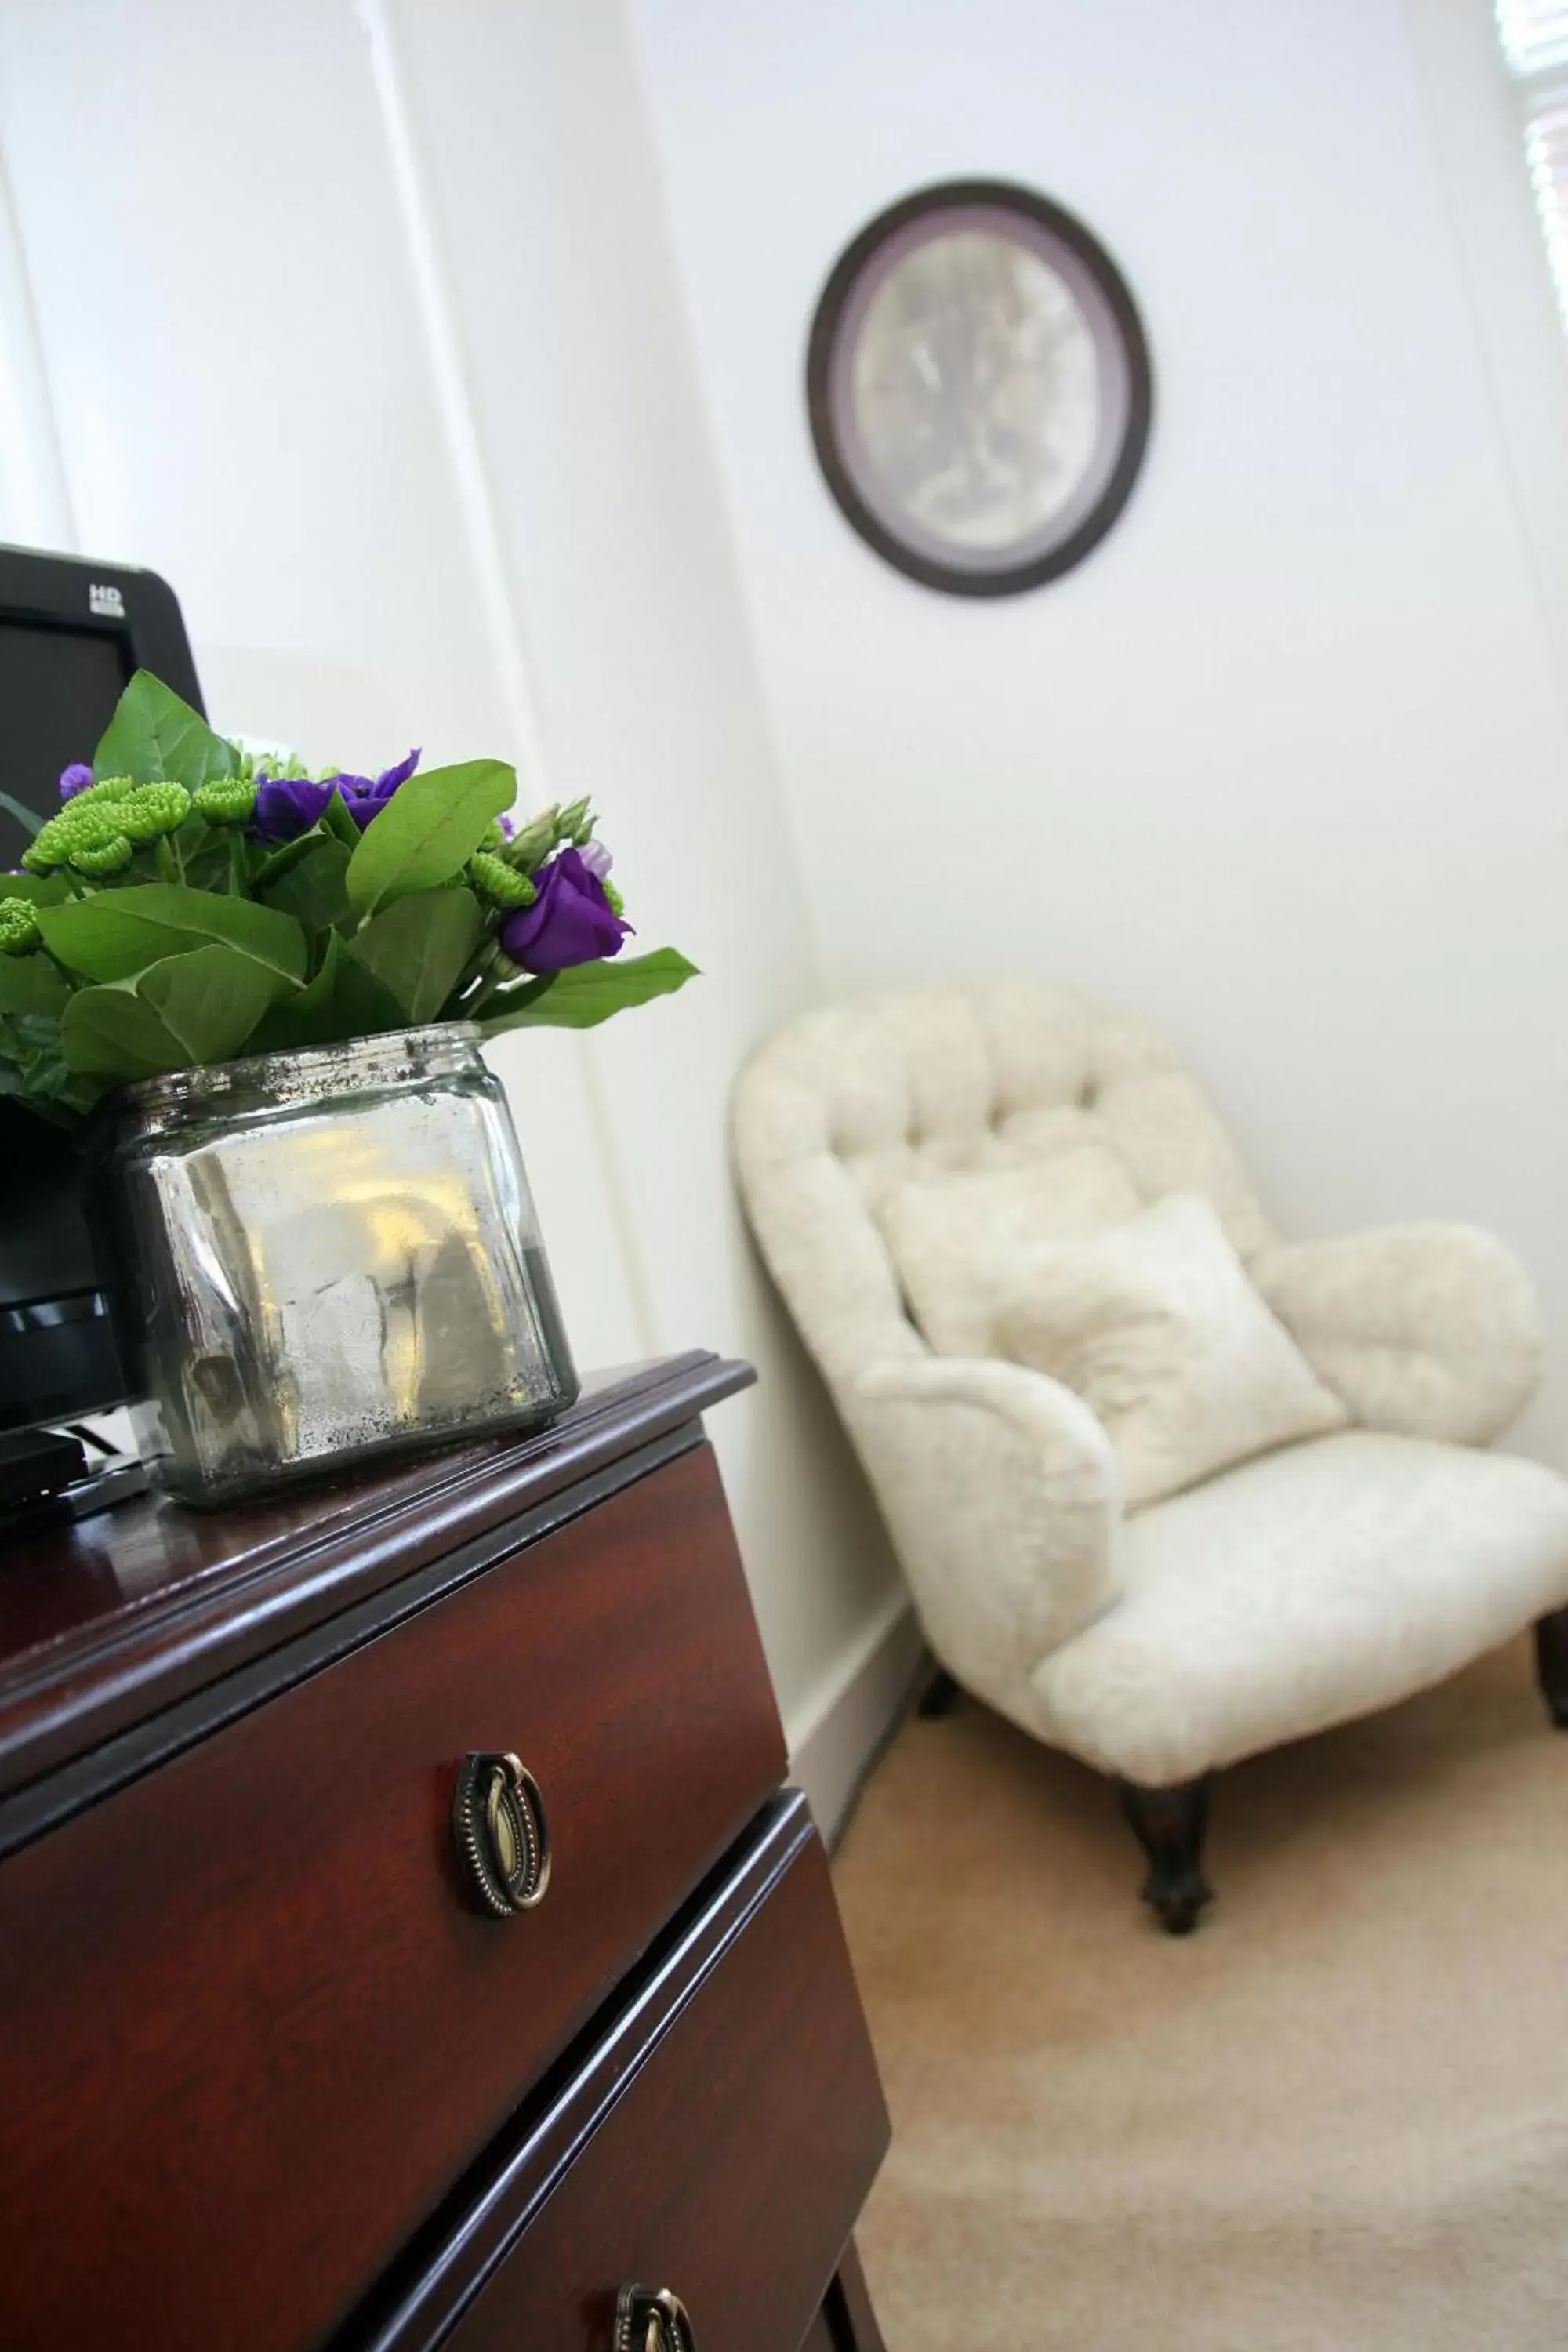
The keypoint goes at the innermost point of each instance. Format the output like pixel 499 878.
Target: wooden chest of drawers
pixel 278 2069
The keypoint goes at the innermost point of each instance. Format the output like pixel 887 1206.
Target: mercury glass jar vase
pixel 331 1255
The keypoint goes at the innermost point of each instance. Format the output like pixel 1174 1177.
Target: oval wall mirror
pixel 979 387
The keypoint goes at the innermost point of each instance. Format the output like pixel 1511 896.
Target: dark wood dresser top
pixel 127 1635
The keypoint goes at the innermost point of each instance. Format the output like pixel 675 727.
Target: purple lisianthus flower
pixel 572 921
pixel 287 805
pixel 596 858
pixel 365 796
pixel 75 778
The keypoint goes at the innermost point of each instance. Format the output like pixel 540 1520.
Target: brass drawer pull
pixel 503 1839
pixel 651 2319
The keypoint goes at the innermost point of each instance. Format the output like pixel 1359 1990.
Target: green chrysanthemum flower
pixel 618 904
pixel 97 860
pixel 107 789
pixel 500 883
pixel 19 932
pixel 51 845
pixel 151 810
pixel 225 800
pixel 95 832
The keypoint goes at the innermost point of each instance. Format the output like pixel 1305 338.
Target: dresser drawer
pixel 251 2028
pixel 718 2144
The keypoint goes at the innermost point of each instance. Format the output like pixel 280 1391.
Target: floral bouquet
pixel 191 902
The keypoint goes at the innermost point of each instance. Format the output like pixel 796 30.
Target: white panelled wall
pixel 1283 764
pixel 360 326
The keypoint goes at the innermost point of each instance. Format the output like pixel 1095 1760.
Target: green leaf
pixel 30 1043
pixel 310 885
pixel 28 819
pixel 43 889
pixel 336 818
pixel 364 1006
pixel 268 864
pixel 206 854
pixel 345 1000
pixel 34 1040
pixel 418 946
pixel 153 734
pixel 117 933
pixel 308 1016
pixel 319 989
pixel 114 1032
pixel 591 992
pixel 209 1000
pixel 427 831
pixel 31 983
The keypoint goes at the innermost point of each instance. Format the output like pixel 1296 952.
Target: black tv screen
pixel 72 631
pixel 58 688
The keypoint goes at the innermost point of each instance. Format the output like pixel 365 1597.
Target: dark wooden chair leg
pixel 1169 1825
pixel 940 1695
pixel 1552 1665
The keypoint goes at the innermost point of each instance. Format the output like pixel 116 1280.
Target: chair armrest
pixel 1004 1498
pixel 1428 1329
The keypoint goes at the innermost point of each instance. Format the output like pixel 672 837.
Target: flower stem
pixel 481 961
pixel 483 996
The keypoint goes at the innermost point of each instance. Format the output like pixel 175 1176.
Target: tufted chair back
pixel 849 1101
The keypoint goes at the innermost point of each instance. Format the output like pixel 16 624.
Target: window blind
pixel 1546 152
pixel 1535 36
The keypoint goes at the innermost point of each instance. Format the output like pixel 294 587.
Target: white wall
pixel 361 328
pixel 1282 765
pixel 369 329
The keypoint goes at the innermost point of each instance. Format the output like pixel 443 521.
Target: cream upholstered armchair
pixel 1308 1584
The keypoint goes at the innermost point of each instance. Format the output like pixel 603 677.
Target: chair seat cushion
pixel 1297 1590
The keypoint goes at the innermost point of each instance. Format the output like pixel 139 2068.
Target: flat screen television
pixel 71 633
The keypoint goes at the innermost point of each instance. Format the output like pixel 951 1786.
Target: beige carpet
pixel 1335 2117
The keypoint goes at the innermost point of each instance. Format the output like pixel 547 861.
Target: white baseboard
pixel 839 1735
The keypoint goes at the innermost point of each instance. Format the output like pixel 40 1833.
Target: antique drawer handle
pixel 651 2319
pixel 503 1839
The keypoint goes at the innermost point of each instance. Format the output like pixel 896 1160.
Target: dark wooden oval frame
pixel 930 572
